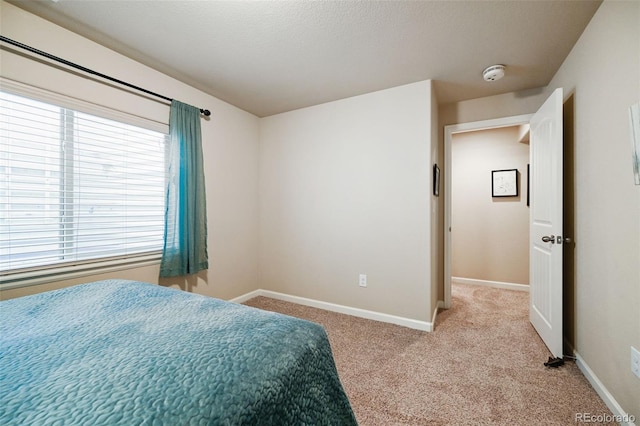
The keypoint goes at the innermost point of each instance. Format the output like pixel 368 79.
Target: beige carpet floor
pixel 483 364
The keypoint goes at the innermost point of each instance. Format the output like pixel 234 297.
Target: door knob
pixel 549 239
pixel 553 239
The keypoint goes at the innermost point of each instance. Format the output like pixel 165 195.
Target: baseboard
pixel 496 284
pixel 342 309
pixel 620 416
pixel 245 297
pixel 439 305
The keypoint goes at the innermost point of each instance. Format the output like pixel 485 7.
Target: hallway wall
pixel 489 235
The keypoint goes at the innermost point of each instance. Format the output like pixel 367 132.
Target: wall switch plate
pixel 363 280
pixel 635 361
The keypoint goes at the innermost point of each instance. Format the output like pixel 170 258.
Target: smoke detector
pixel 493 73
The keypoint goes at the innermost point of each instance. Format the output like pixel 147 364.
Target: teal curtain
pixel 185 234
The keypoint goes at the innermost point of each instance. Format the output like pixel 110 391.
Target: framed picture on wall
pixel 635 140
pixel 504 183
pixel 528 184
pixel 436 180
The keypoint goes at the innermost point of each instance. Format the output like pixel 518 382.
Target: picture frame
pixel 528 185
pixel 504 183
pixel 634 116
pixel 436 180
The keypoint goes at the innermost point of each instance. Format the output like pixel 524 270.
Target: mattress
pixel 125 352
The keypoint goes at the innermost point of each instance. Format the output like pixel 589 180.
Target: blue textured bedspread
pixel 131 353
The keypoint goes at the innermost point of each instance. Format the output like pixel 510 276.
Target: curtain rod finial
pixel 206 112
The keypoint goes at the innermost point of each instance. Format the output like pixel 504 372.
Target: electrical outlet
pixel 363 280
pixel 635 361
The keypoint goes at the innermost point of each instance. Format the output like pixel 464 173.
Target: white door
pixel 546 239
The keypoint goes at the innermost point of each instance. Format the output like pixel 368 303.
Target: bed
pixel 125 352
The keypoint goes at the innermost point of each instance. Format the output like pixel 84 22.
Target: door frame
pixel 448 134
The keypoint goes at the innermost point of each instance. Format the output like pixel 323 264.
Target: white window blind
pixel 76 188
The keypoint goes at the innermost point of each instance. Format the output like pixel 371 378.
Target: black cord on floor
pixel 554 362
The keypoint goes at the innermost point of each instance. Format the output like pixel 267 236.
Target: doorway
pixel 450 131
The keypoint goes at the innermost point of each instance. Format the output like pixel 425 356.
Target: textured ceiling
pixel 268 57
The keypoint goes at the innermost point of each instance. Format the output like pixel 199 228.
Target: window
pixel 76 188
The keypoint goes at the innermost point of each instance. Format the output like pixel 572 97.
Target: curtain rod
pixel 205 112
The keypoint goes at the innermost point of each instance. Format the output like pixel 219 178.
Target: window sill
pixel 44 276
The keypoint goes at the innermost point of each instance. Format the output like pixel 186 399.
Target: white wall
pixel 345 189
pixel 602 73
pixel 230 146
pixel 489 236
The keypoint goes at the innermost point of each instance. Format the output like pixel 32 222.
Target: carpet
pixel 483 364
